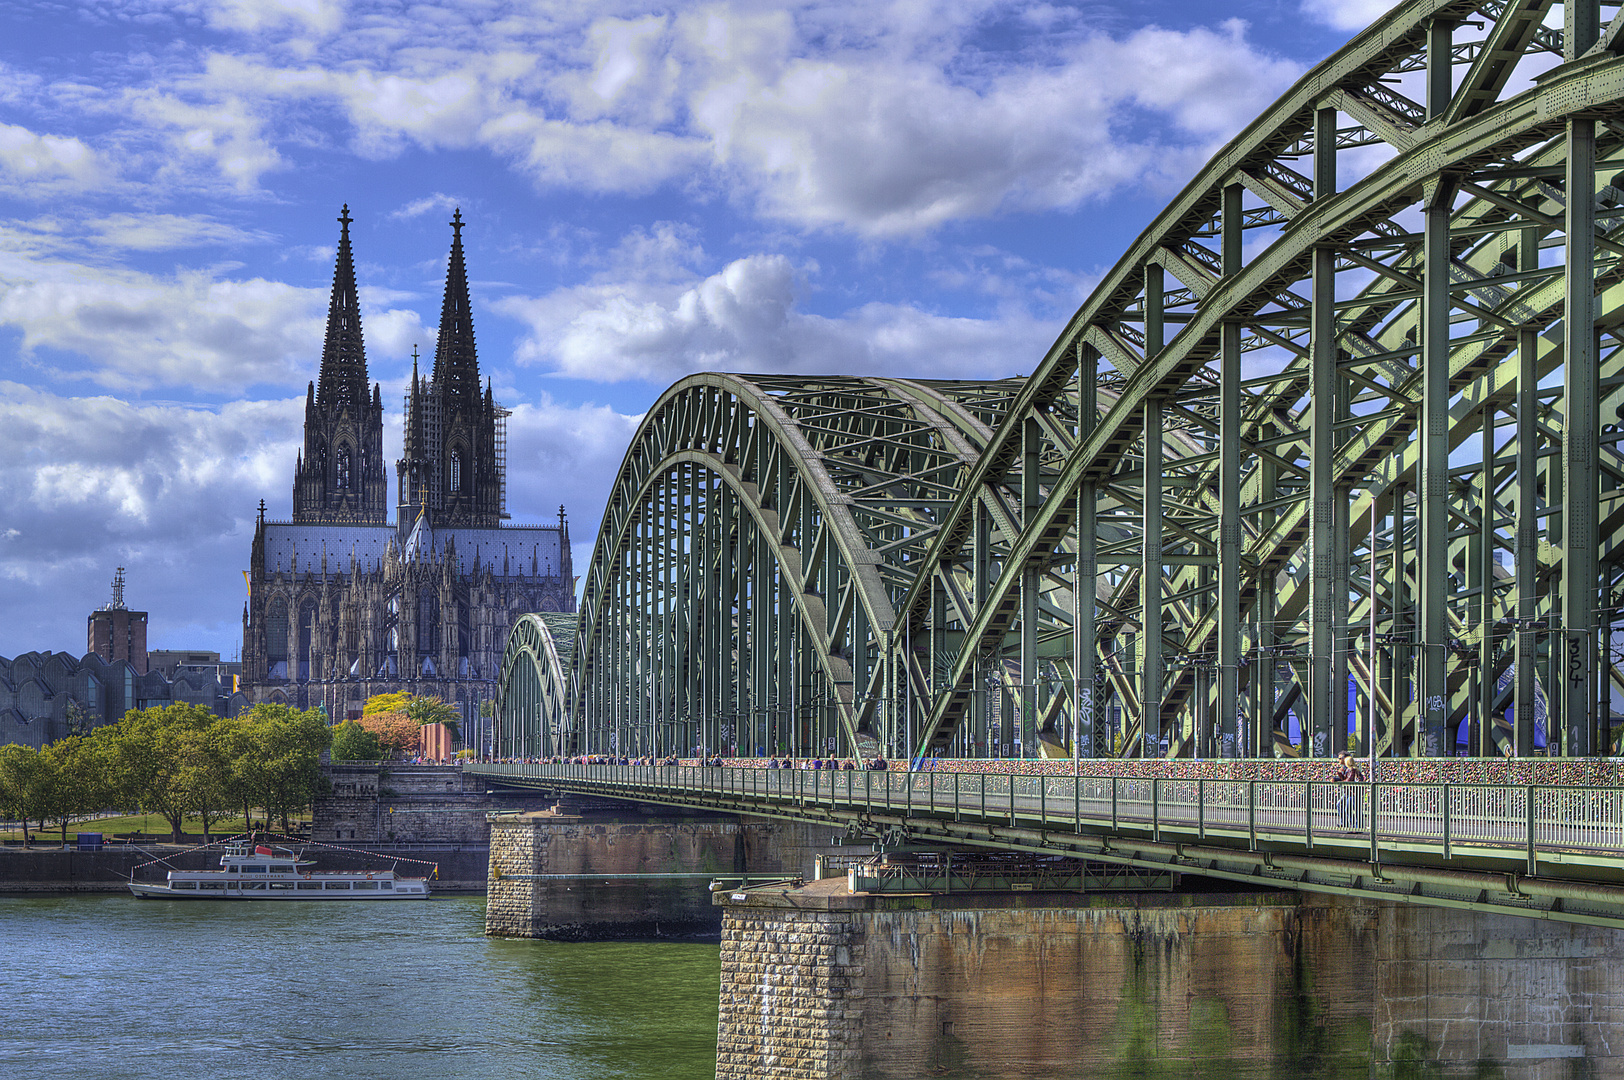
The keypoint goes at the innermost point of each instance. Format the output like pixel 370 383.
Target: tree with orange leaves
pixel 396 732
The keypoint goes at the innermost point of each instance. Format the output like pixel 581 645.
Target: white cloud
pixel 881 146
pixel 875 122
pixel 192 328
pixel 42 163
pixel 1346 14
pixel 419 207
pixel 163 232
pixel 224 135
pixel 565 454
pixel 746 318
pixel 322 17
pixel 169 492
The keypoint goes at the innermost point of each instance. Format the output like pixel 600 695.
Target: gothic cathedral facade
pixel 342 604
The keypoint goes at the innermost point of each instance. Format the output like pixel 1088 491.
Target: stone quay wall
pixel 398 802
pixel 608 855
pixel 1244 986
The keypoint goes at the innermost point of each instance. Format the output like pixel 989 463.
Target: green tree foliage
pixel 286 756
pixel 431 710
pixel 25 786
pixel 352 742
pixel 76 777
pixel 386 703
pixel 147 753
pixel 209 771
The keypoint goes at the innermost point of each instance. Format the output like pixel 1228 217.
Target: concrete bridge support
pixel 820 983
pixel 601 870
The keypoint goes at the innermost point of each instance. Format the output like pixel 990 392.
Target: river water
pixel 113 988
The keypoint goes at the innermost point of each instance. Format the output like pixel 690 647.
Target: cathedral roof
pixel 456 364
pixel 343 381
pixel 525 550
pixel 420 541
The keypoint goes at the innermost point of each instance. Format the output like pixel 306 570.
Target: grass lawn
pixel 129 823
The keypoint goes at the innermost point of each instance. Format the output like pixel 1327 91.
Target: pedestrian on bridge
pixel 1347 802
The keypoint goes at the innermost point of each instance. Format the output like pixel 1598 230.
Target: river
pixel 113 987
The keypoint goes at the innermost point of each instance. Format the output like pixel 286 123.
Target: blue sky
pixel 915 189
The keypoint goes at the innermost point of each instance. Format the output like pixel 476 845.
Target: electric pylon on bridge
pixel 1358 386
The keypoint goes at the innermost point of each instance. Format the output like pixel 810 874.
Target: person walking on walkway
pixel 1347 802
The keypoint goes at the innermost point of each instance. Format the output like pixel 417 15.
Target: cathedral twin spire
pixel 343 380
pixel 450 472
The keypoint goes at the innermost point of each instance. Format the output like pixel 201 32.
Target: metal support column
pixel 1229 491
pixel 1433 556
pixel 1581 394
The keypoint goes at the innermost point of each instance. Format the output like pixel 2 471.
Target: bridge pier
pixel 591 869
pixel 818 982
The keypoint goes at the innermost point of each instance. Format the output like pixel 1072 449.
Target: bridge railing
pixel 1517 821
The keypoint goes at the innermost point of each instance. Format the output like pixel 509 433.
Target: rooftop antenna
pixel 118 591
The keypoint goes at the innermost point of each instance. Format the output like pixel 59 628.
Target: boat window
pixel 366 884
pixel 281 884
pixel 309 885
pixel 215 885
pixel 338 885
pixel 253 869
pixel 386 885
pixel 260 885
pixel 183 885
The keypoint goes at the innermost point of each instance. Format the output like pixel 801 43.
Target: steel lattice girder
pixel 533 688
pixel 1423 304
pixel 1415 304
pixel 759 535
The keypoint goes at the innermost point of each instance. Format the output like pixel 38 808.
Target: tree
pixel 80 720
pixel 386 703
pixel 431 710
pixel 25 785
pixel 209 773
pixel 76 778
pixel 396 732
pixel 352 742
pixel 147 753
pixel 280 757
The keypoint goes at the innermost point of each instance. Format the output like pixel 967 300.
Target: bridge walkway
pixel 1545 851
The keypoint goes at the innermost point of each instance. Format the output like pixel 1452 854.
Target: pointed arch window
pixel 343 474
pixel 276 631
pixel 456 470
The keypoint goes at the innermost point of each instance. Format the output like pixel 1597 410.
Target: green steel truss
pixel 1360 380
pixel 535 688
pixel 743 589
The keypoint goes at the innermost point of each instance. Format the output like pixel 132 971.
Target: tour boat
pixel 251 871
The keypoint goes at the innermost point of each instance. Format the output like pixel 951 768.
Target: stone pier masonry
pixel 598 869
pixel 818 983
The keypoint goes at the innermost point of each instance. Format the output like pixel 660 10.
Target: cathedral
pixel 342 604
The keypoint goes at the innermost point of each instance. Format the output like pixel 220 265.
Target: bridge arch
pixel 1410 369
pixel 533 690
pixel 1329 458
pixel 745 577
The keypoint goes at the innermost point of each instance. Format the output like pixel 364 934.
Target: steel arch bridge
pixel 1332 452
pixel 534 685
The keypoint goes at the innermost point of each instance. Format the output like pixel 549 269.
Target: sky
pixel 914 188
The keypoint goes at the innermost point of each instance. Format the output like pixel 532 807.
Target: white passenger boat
pixel 250 871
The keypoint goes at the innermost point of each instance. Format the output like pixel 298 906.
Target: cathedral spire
pixel 456 365
pixel 339 476
pixel 343 382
